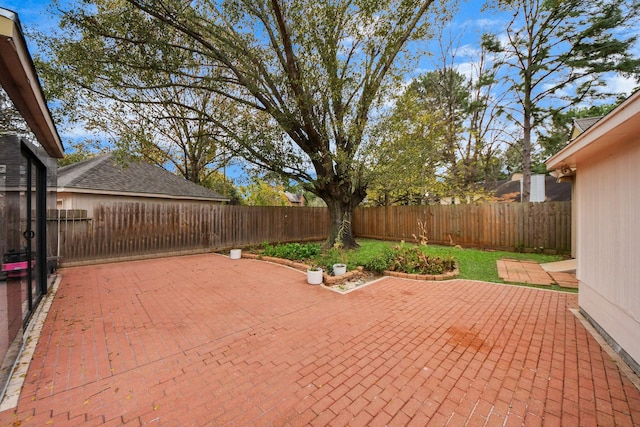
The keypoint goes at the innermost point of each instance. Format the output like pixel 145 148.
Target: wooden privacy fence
pixel 530 226
pixel 138 229
pixel 144 229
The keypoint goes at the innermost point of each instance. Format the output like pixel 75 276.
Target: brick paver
pixel 566 280
pixel 205 340
pixel 519 271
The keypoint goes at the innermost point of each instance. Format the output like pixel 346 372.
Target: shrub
pixel 411 259
pixel 293 251
pixel 381 262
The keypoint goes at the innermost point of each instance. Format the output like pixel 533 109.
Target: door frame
pixel 39 274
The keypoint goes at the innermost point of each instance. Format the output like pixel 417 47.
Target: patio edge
pixel 30 340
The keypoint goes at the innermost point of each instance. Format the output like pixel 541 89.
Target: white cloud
pixel 488 23
pixel 467 69
pixel 620 84
pixel 468 51
pixel 79 132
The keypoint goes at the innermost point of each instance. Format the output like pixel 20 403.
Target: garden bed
pixel 351 279
pixel 374 255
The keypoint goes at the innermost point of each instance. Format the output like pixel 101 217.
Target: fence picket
pixel 142 228
pixel 499 225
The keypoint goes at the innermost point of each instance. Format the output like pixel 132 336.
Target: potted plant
pixel 314 275
pixel 339 269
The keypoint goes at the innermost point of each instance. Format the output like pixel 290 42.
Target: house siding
pixel 608 254
pixel 68 200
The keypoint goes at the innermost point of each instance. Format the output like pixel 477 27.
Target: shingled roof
pixel 555 191
pixel 581 125
pixel 103 175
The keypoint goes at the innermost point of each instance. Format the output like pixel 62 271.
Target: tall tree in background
pixel 473 133
pixel 304 76
pixel 447 91
pixel 560 50
pixel 558 132
pixel 260 192
pixel 443 122
pixel 405 160
pixel 480 151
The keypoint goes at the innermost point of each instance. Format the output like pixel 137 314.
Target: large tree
pixel 161 117
pixel 305 76
pixel 560 50
pixel 10 119
pixel 405 161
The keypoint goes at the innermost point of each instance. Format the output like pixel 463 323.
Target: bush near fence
pixel 120 231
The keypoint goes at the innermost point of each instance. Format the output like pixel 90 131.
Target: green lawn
pixel 473 264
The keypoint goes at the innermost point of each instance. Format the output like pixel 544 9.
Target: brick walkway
pixel 205 340
pixel 517 271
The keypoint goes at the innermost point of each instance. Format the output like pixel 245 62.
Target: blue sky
pixel 469 22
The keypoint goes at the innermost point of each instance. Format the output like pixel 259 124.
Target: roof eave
pixel 131 194
pixel 20 82
pixel 614 128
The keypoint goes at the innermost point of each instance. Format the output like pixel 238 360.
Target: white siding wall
pixel 608 247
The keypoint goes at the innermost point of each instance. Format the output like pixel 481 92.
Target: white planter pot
pixel 235 253
pixel 314 277
pixel 339 269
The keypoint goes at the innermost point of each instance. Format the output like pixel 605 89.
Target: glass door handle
pixel 29 234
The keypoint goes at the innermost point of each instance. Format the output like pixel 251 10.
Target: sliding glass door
pixel 23 276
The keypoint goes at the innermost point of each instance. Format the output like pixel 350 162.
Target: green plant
pixel 293 251
pixel 380 262
pixel 411 259
pixel 327 259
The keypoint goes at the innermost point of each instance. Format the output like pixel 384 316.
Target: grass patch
pixel 473 264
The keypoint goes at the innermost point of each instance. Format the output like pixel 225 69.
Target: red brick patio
pixel 205 340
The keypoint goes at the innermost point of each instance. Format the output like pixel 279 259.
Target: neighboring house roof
pixel 581 125
pixel 19 80
pixel 294 198
pixel 554 191
pixel 103 175
pixel 619 125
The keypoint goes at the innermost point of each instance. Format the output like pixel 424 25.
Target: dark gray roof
pixel 294 198
pixel 103 173
pixel 554 191
pixel 585 123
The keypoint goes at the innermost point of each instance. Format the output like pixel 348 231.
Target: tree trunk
pixel 341 231
pixel 526 159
